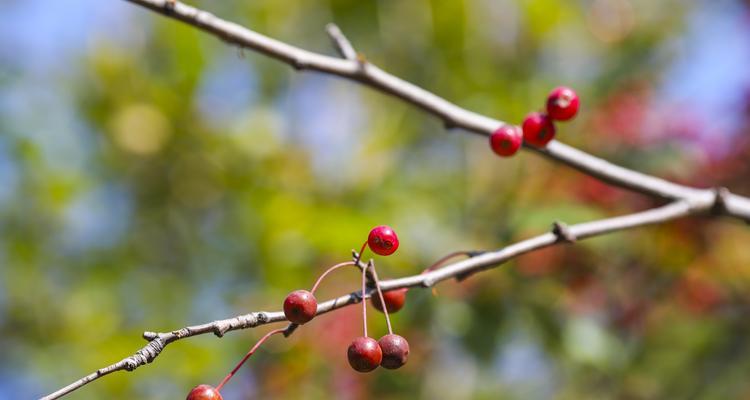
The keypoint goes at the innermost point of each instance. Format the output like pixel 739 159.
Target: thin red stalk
pixel 382 300
pixel 364 271
pixel 328 271
pixel 249 353
pixel 359 255
pixel 444 259
pixel 364 303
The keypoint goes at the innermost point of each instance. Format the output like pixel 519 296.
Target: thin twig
pixel 687 200
pixel 463 268
pixel 452 115
pixel 340 42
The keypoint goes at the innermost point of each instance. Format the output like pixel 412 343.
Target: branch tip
pixel 340 42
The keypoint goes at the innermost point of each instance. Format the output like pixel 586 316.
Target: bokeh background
pixel 152 177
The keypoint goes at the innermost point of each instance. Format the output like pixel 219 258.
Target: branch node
pixel 220 329
pixel 150 335
pixel 464 276
pixel 720 200
pixel 474 253
pixel 290 329
pixel 360 266
pixel 563 233
pixel 298 64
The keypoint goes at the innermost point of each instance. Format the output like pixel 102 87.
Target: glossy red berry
pixel 506 140
pixel 204 392
pixel 395 351
pixel 562 104
pixel 394 300
pixel 383 240
pixel 364 354
pixel 300 306
pixel 538 129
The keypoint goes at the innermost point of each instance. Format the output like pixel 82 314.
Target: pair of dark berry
pixel 538 129
pixel 366 354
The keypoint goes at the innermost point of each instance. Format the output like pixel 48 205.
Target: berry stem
pixel 359 255
pixel 249 353
pixel 328 271
pixel 380 294
pixel 364 303
pixel 444 259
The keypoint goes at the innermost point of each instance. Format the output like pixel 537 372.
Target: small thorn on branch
pixel 720 200
pixel 290 329
pixel 563 233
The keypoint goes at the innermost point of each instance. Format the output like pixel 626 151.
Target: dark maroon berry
pixel 395 351
pixel 300 306
pixel 394 300
pixel 562 104
pixel 204 392
pixel 538 129
pixel 506 140
pixel 364 354
pixel 383 240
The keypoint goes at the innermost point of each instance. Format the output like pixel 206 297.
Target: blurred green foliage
pixel 181 180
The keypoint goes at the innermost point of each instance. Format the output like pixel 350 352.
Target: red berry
pixel 394 300
pixel 395 351
pixel 506 140
pixel 562 104
pixel 204 392
pixel 383 240
pixel 300 306
pixel 364 354
pixel 538 129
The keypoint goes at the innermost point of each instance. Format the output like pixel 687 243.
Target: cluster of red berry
pixel 364 353
pixel 538 128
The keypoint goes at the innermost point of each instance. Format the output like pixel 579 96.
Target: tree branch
pixel 452 115
pixel 685 200
pixel 458 270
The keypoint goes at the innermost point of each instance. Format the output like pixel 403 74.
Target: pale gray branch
pixel 685 200
pixel 457 270
pixel 340 42
pixel 451 114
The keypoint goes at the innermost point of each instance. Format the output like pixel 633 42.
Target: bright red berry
pixel 395 351
pixel 300 306
pixel 383 240
pixel 562 104
pixel 204 392
pixel 394 300
pixel 538 129
pixel 364 354
pixel 506 140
